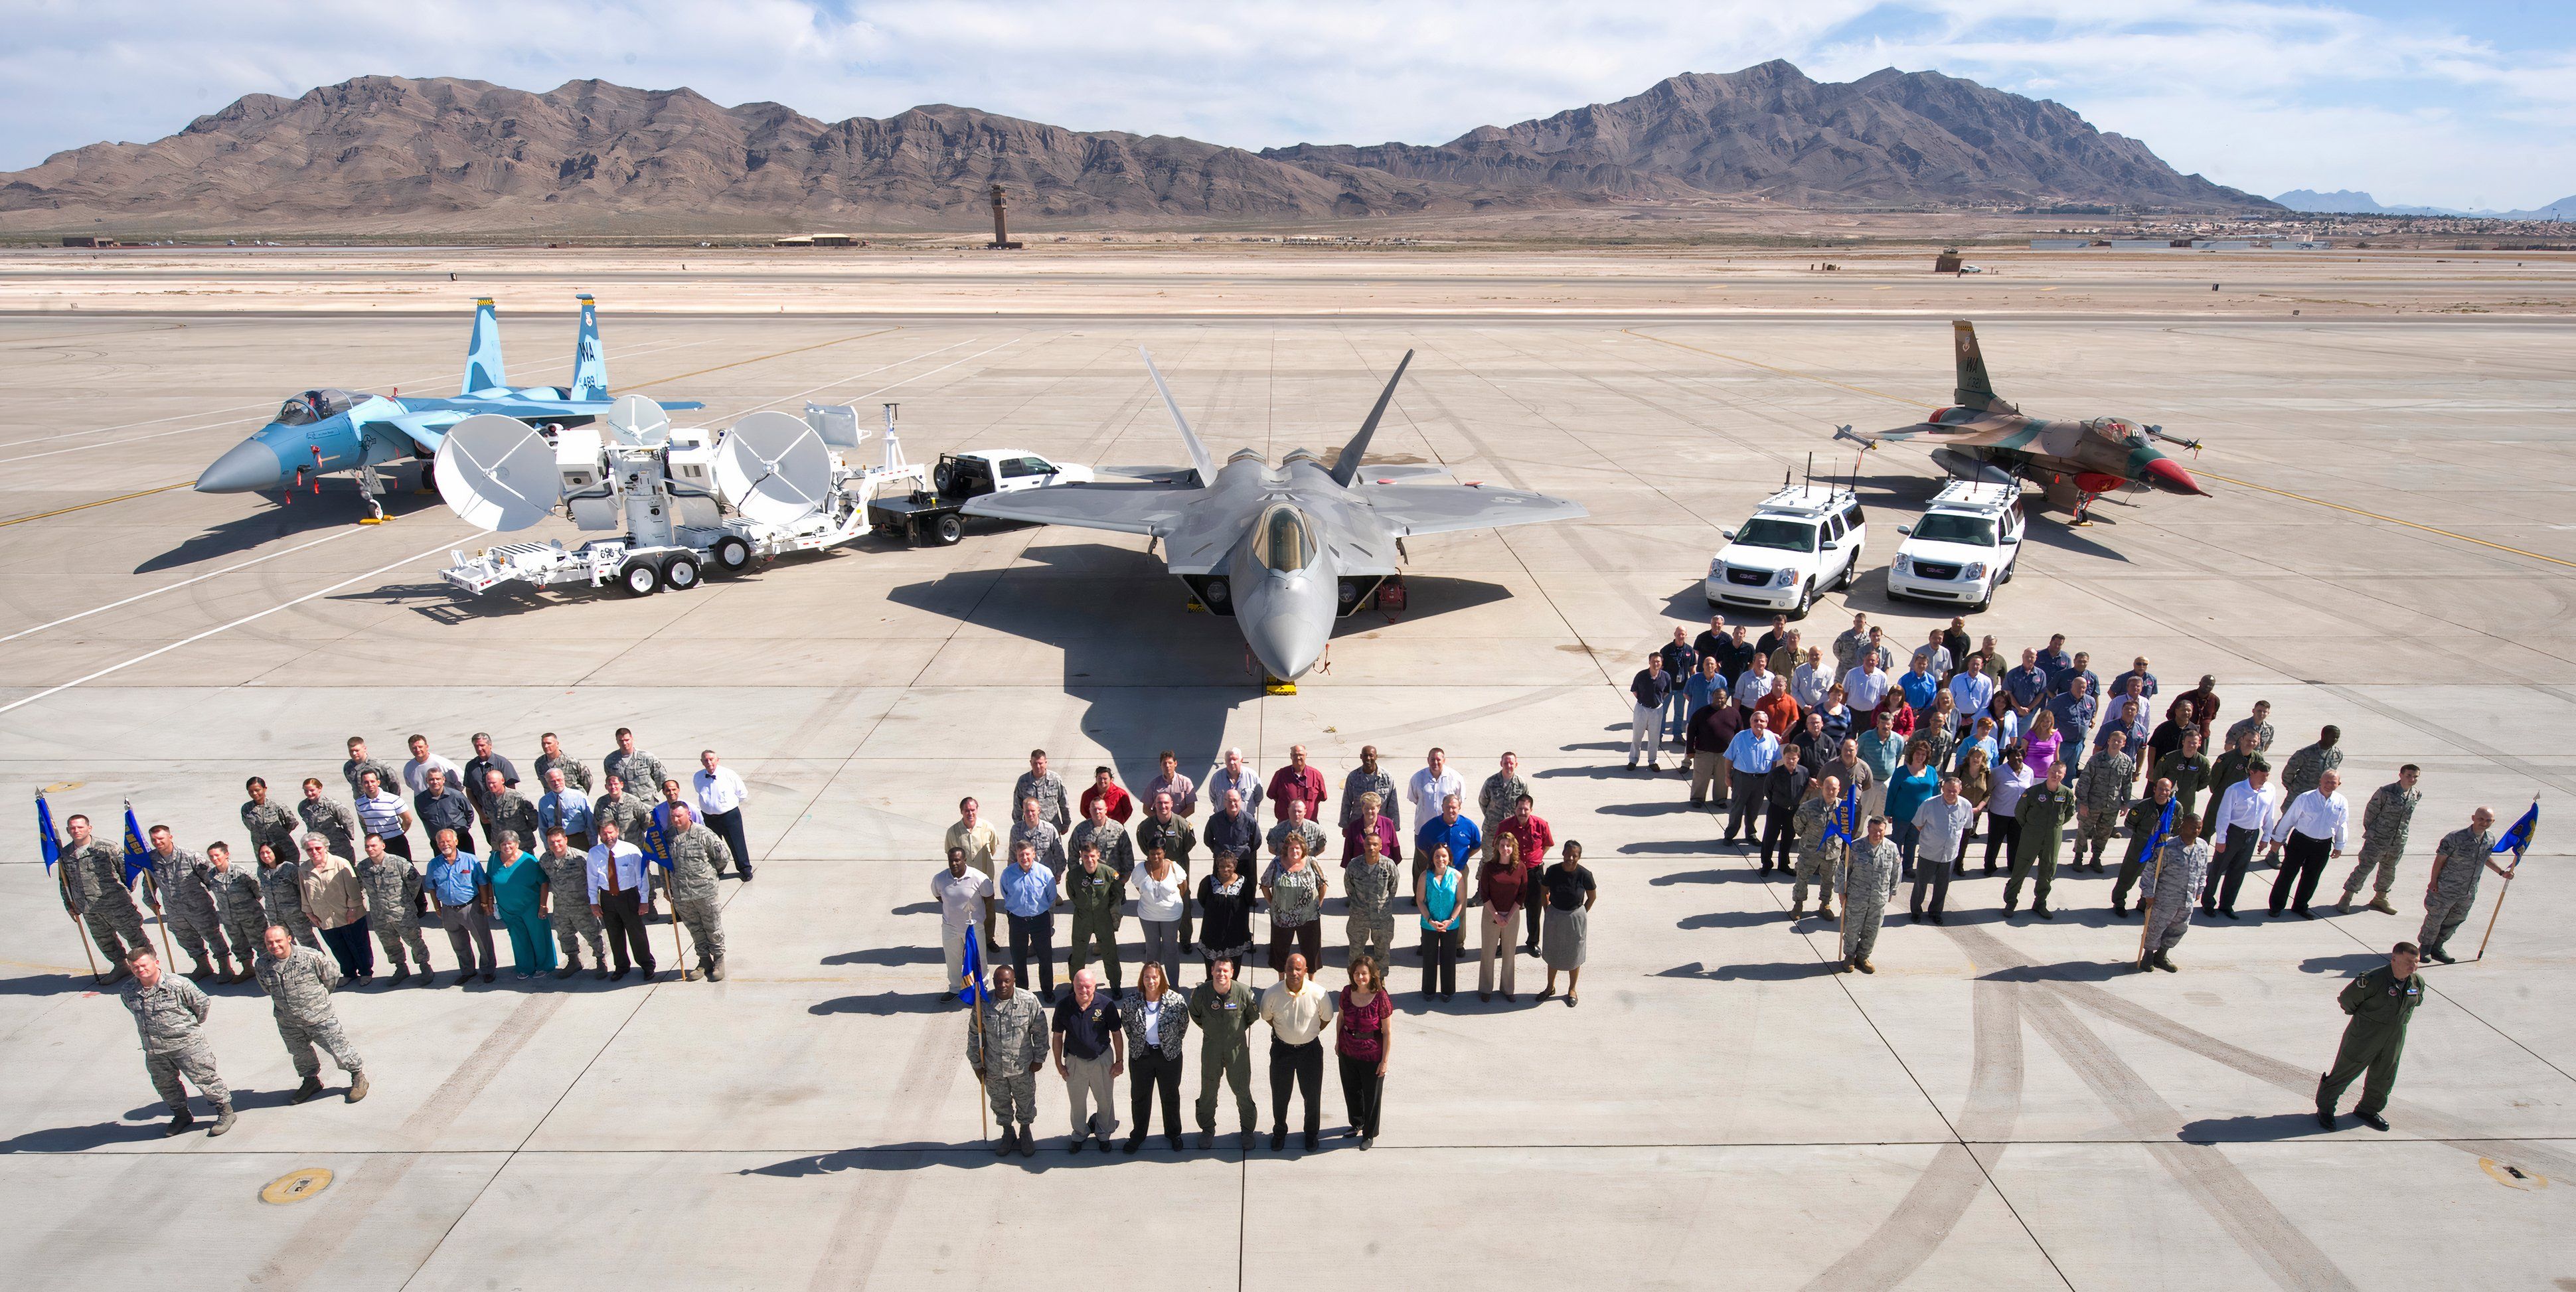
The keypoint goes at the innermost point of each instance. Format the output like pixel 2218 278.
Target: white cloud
pixel 2261 95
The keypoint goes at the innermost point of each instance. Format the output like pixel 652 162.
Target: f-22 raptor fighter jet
pixel 1980 437
pixel 327 430
pixel 1283 550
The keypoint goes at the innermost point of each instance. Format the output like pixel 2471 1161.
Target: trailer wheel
pixel 640 578
pixel 950 528
pixel 680 573
pixel 733 555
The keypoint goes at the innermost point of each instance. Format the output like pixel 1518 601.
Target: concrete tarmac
pixel 2004 1104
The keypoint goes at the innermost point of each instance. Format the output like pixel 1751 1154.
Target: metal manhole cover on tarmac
pixel 296 1186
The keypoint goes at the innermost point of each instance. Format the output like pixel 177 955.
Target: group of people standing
pixel 1097 851
pixel 1854 777
pixel 566 868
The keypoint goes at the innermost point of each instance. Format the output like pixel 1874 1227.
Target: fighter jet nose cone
pixel 247 467
pixel 1286 645
pixel 2168 475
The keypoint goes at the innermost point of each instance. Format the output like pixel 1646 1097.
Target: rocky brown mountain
pixel 383 154
pixel 1770 132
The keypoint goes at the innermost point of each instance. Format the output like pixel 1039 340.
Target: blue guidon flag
pixel 138 855
pixel 2517 840
pixel 970 979
pixel 48 844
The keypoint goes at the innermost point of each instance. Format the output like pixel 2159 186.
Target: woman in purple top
pixel 2040 749
pixel 1365 1032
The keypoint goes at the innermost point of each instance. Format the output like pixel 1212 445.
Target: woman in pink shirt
pixel 1364 1032
pixel 2039 750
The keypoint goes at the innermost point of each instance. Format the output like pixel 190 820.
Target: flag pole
pixel 64 881
pixel 2501 894
pixel 2506 891
pixel 162 913
pixel 2147 901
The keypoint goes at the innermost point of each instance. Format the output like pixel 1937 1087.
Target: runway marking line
pixel 84 506
pixel 2242 484
pixel 257 614
pixel 172 587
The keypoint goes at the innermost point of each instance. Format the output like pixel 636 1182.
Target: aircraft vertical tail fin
pixel 1975 389
pixel 1199 459
pixel 1347 466
pixel 483 368
pixel 589 362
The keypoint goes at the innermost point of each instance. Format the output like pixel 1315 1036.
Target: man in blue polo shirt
pixel 1749 758
pixel 1451 828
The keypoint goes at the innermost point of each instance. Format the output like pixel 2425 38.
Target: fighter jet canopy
pixel 313 406
pixel 1281 540
pixel 2118 430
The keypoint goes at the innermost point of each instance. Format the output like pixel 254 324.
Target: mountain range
pixel 2344 201
pixel 390 155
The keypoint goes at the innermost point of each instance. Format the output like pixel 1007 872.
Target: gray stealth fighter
pixel 1283 550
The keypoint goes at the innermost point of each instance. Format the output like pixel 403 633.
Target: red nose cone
pixel 2168 475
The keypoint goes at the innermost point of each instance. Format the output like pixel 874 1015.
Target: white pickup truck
pixel 938 512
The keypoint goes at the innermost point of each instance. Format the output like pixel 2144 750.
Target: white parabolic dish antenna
pixel 497 472
pixel 638 421
pixel 773 468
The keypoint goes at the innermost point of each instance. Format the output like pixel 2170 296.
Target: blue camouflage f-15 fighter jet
pixel 327 430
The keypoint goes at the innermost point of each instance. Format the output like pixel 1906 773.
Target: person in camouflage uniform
pixel 168 1010
pixel 2383 839
pixel 1295 825
pixel 554 758
pixel 1869 879
pixel 2181 865
pixel 2458 861
pixel 94 889
pixel 281 891
pixel 1094 891
pixel 2043 812
pixel 358 764
pixel 1824 823
pixel 1032 829
pixel 269 822
pixel 1222 1010
pixel 697 855
pixel 185 907
pixel 2259 725
pixel 2102 794
pixel 1497 798
pixel 392 884
pixel 237 898
pixel 507 810
pixel 641 772
pixel 2308 765
pixel 568 875
pixel 1371 879
pixel 1097 830
pixel 1014 1026
pixel 337 823
pixel 615 806
pixel 298 981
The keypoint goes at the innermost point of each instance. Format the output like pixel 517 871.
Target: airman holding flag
pixel 96 891
pixel 2452 888
pixel 2516 841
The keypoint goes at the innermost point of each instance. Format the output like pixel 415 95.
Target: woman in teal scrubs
pixel 517 884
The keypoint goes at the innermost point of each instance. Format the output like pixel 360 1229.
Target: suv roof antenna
pixel 1811 471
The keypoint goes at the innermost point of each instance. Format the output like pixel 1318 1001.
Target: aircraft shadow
pixel 335 506
pixel 1784 972
pixel 1154 675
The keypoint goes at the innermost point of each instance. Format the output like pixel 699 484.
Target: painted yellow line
pixel 60 511
pixel 2242 484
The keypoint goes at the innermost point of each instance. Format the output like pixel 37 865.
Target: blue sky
pixel 2466 104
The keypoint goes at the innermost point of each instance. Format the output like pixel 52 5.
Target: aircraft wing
pixel 425 429
pixel 1154 509
pixel 1437 509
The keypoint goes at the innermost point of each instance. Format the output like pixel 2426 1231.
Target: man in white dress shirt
pixel 721 794
pixel 2245 813
pixel 1430 785
pixel 2310 830
pixel 620 898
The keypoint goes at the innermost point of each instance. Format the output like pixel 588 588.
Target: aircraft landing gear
pixel 2083 511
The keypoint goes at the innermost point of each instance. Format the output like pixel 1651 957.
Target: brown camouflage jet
pixel 1980 437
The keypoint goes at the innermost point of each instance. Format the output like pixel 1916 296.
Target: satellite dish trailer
pixel 686 500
